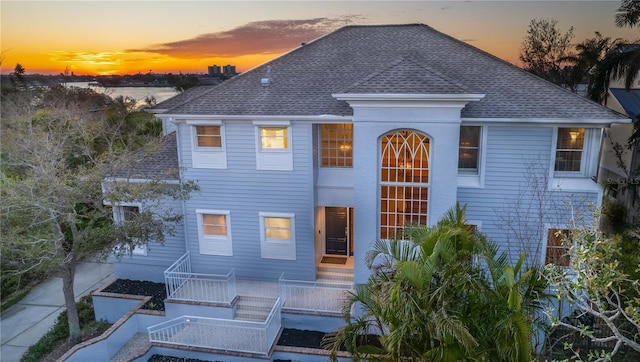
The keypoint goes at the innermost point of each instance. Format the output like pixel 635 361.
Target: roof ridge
pixel 409 59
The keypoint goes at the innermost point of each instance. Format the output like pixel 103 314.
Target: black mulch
pixel 156 291
pixel 300 338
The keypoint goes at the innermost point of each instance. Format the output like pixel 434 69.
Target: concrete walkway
pixel 23 324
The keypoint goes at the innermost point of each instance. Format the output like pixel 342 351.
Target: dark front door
pixel 337 230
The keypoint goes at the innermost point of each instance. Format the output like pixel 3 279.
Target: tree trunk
pixel 68 275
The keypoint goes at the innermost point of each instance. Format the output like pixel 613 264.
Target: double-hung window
pixel 277 236
pixel 123 214
pixel 214 232
pixel 273 146
pixel 208 141
pixel 470 156
pixel 469 150
pixel 570 150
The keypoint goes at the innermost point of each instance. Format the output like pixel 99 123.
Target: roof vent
pixel 266 81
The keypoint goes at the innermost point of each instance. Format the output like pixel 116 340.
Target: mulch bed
pixel 157 291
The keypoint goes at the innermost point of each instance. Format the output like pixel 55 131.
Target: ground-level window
pixel 123 214
pixel 214 232
pixel 404 182
pixel 336 141
pixel 558 245
pixel 277 236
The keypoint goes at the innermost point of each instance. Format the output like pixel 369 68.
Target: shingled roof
pixel 152 162
pixel 392 59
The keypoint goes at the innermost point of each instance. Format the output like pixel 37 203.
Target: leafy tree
pixel 443 295
pixel 59 147
pixel 602 283
pixel 545 49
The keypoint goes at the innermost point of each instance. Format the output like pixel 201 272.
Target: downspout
pixel 180 175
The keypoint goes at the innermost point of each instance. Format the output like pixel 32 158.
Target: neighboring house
pixel 304 161
pixel 623 183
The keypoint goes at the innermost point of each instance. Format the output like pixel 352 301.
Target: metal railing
pixel 182 284
pixel 221 334
pixel 313 296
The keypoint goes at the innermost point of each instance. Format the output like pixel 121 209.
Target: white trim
pixel 214 244
pixel 138 180
pixel 229 117
pixel 408 97
pixel 274 159
pixel 274 123
pixel 284 249
pixel 202 122
pixel 578 181
pixel 594 122
pixel 470 180
pixel 118 217
pixel 545 239
pixel 208 157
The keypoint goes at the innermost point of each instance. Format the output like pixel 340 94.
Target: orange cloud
pixel 260 37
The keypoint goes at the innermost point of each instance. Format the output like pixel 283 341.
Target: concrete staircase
pixel 254 309
pixel 334 275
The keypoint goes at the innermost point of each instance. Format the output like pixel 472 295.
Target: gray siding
pixel 159 256
pixel 508 193
pixel 245 192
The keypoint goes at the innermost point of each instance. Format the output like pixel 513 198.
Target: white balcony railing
pixel 221 334
pixel 182 284
pixel 305 296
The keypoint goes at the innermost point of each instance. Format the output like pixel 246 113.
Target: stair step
pixel 251 317
pixel 329 269
pixel 334 277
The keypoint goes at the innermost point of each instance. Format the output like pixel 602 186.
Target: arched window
pixel 404 181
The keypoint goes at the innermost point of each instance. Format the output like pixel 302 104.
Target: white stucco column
pixel 377 115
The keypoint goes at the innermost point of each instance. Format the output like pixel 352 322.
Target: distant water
pixel 137 93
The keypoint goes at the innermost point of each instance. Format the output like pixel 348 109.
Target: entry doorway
pixel 338 231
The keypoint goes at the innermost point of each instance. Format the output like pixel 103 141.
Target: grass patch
pixel 56 338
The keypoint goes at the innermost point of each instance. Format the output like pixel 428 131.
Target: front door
pixel 337 230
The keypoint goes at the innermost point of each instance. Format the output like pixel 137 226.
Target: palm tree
pixel 623 60
pixel 430 298
pixel 588 54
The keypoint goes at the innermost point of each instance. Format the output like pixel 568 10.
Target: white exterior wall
pixel 442 125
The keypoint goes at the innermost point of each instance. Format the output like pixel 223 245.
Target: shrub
pixel 60 330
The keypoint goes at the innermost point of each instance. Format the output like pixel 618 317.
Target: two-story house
pixel 304 161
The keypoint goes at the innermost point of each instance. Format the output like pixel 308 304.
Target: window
pixel 558 245
pixel 208 149
pixel 273 138
pixel 277 236
pixel 121 215
pixel 404 182
pixel 208 136
pixel 469 149
pixel 214 233
pixel 273 146
pixel 336 141
pixel 570 149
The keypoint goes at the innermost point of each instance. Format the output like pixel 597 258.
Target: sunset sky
pixel 125 37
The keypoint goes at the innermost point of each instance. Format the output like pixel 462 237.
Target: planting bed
pixel 156 291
